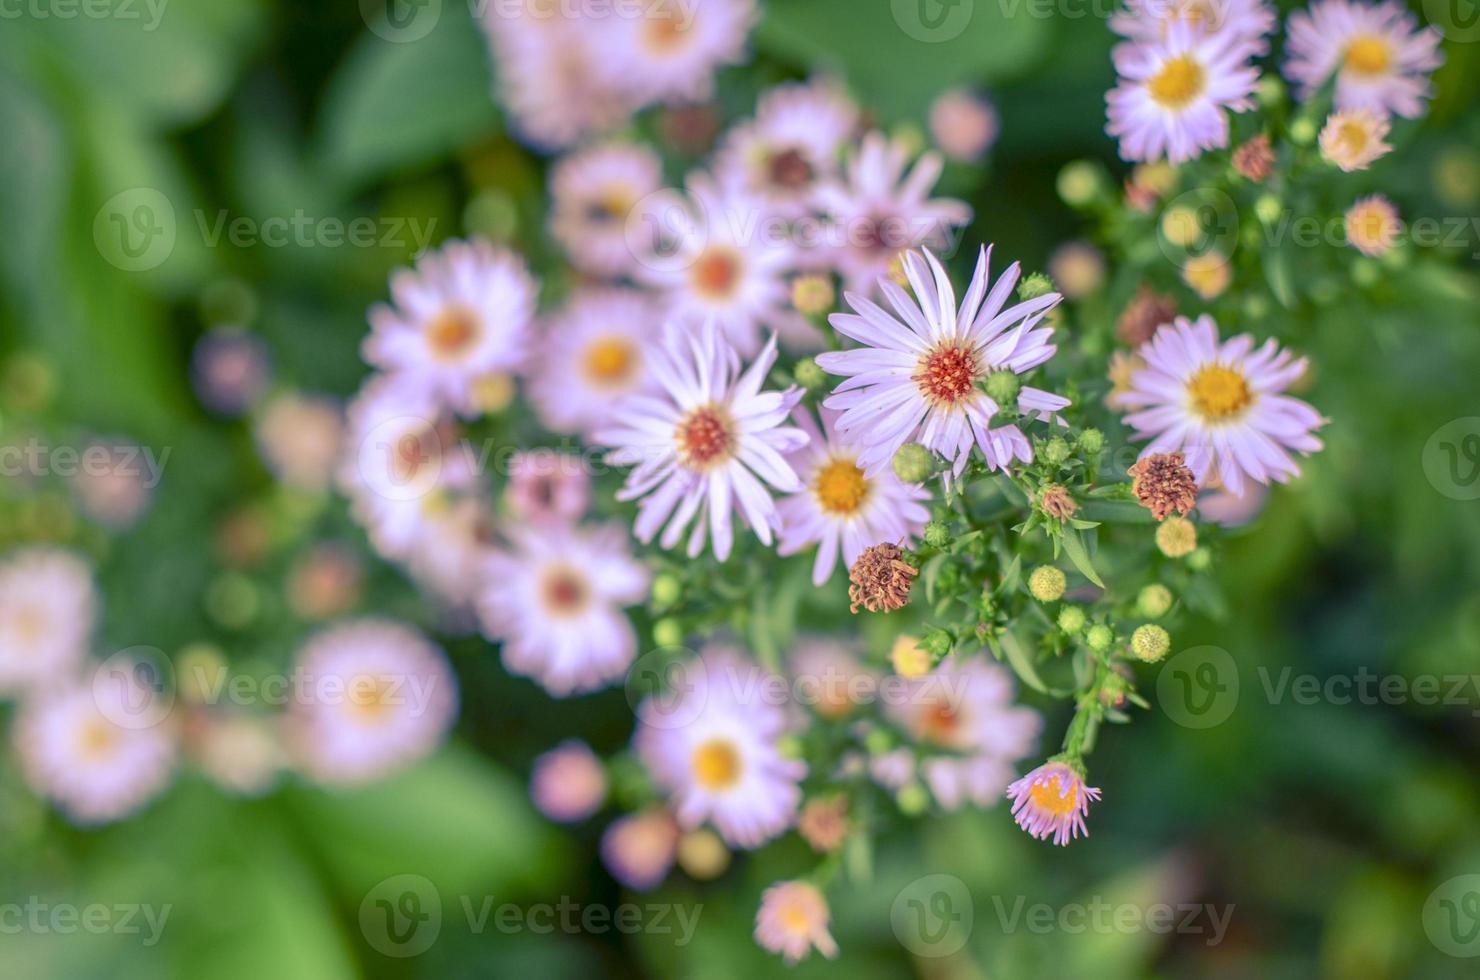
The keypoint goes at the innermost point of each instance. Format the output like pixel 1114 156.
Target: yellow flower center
pixel 1053 797
pixel 609 361
pixel 716 764
pixel 1368 54
pixel 1219 392
pixel 30 625
pixel 452 331
pixel 840 487
pixel 1178 83
pixel 1353 136
pixel 610 206
pixel 370 695
pixel 797 918
pixel 96 739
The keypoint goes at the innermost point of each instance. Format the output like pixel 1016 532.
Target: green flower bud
pixel 1154 601
pixel 1034 286
pixel 937 642
pixel 1366 273
pixel 1150 643
pixel 913 463
pixel 937 534
pixel 878 741
pixel 912 800
pixel 1271 90
pixel 1303 131
pixel 1200 560
pixel 667 633
pixel 1267 208
pixel 1091 441
pixel 1100 638
pixel 1003 386
pixel 1079 183
pixel 1071 619
pixel 232 600
pixel 1047 583
pixel 666 590
pixel 1056 450
pixel 809 375
pixel 790 747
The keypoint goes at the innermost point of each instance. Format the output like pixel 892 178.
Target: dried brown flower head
pixel 1254 159
pixel 823 822
pixel 1058 503
pixel 1143 314
pixel 881 579
pixel 1163 483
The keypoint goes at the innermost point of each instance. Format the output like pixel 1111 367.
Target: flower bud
pixel 1047 583
pixel 1079 183
pixel 913 463
pixel 1302 131
pixel 1099 638
pixel 1176 537
pixel 937 534
pixel 1267 209
pixel 937 642
pixel 702 855
pixel 878 741
pixel 909 658
pixel 1200 560
pixel 809 375
pixel 813 294
pixel 1091 441
pixel 666 590
pixel 1003 387
pixel 1034 286
pixel 912 800
pixel 667 633
pixel 1154 601
pixel 1071 619
pixel 1150 643
pixel 1056 450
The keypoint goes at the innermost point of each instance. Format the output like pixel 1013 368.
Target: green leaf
pixel 1021 661
pixel 396 105
pixel 1074 548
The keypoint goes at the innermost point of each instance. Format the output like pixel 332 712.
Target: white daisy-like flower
pixel 450 547
pixel 793 143
pixel 371 696
pixel 1221 403
pixel 964 124
pixel 463 314
pixel 709 442
pixel 970 732
pixel 78 745
pixel 241 752
pixel 670 52
pixel 722 260
pixel 881 207
pixel 593 354
pixel 554 600
pixel 842 507
pixel 48 608
pixel 1250 21
pixel 1173 93
pixel 1353 138
pixel 594 191
pixel 550 76
pixel 918 377
pixel 1382 59
pixel 299 437
pixel 792 920
pixel 712 745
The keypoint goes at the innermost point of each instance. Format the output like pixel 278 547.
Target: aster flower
pixel 237 750
pixel 792 920
pixel 451 546
pixel 1052 801
pixel 376 696
pixel 842 507
pixel 969 731
pixel 710 442
pixel 595 191
pixel 300 438
pixel 720 260
pixel 793 143
pixel 713 747
pixel 639 849
pixel 48 609
pixel 918 377
pixel 1372 225
pixel 671 52
pixel 1172 93
pixel 82 746
pixel 116 482
pixel 593 355
pixel 554 599
pixel 1381 58
pixel 461 315
pixel 829 676
pixel 1353 138
pixel 1146 311
pixel 568 783
pixel 1222 404
pixel 1249 21
pixel 548 487
pixel 550 75
pixel 881 207
pixel 230 370
pixel 964 124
